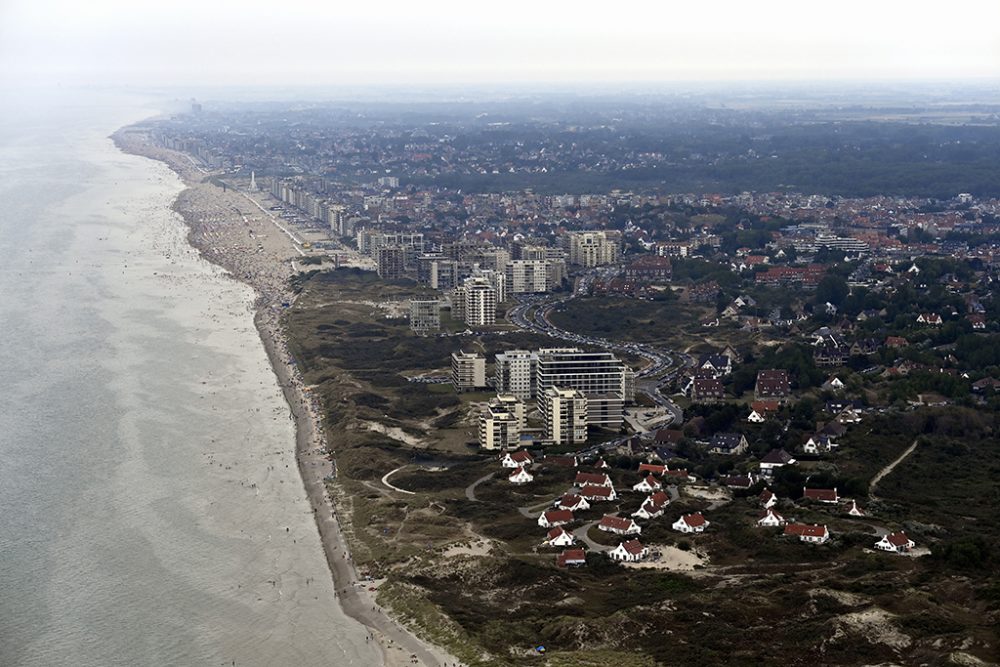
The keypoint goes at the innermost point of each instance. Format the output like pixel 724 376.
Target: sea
pixel 151 512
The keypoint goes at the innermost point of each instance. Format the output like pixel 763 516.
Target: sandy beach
pixel 232 230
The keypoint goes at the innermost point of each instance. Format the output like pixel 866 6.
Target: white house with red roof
pixel 652 468
pixel 768 499
pixel 770 519
pixel 601 464
pixel 573 502
pixel 571 558
pixel 559 537
pixel 553 518
pixel 618 525
pixel 691 523
pixel 813 534
pixel 679 475
pixel 854 510
pixel 648 485
pixel 630 551
pixel 592 479
pixel 520 476
pixel 521 459
pixel 828 496
pixel 653 506
pixel 896 543
pixel 598 493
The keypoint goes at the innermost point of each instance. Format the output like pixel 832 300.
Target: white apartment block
pixel 514 373
pixel 603 378
pixel 468 371
pixel 592 249
pixel 565 412
pixel 480 302
pixel 526 276
pixel 501 422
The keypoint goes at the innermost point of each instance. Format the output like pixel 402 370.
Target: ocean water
pixel 150 509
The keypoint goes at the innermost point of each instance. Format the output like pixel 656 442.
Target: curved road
pixel 470 490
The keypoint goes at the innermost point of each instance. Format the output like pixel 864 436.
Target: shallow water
pixel 150 508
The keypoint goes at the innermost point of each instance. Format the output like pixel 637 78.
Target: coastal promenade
pixel 252 249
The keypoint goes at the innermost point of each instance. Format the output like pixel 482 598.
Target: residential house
pixel 553 518
pixel 813 534
pixel 931 319
pixel 770 519
pixel 571 558
pixel 819 443
pixel 521 459
pixel 774 459
pixel 652 468
pixel 773 384
pixel 618 525
pixel 896 342
pixel 833 383
pixel 648 485
pixel 573 503
pixel 741 482
pixel 977 320
pixel 679 475
pixel 707 390
pixel 653 506
pixel 827 496
pixel 631 551
pixel 730 444
pixel 592 479
pixel 691 523
pixel 559 537
pixel 520 476
pixel 830 355
pixel 864 347
pixel 895 542
pixel 768 499
pixel 719 364
pixel 598 493
pixel 760 411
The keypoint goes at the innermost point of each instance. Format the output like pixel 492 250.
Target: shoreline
pixel 271 289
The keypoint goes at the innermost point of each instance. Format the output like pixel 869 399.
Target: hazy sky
pixel 443 41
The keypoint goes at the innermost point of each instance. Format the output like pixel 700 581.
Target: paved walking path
pixel 889 468
pixel 470 490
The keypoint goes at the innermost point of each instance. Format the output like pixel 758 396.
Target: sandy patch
pixel 480 547
pixel 394 432
pixel 671 559
pixel 875 625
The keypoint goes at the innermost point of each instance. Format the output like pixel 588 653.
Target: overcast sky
pixel 296 42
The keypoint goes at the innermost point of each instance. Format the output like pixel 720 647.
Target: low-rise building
pixel 896 543
pixel 691 523
pixel 618 525
pixel 630 551
pixel 813 534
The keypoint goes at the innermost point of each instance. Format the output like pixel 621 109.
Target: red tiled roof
pixel 596 491
pixel 616 522
pixel 596 478
pixel 522 457
pixel 652 467
pixel 801 529
pixel 694 520
pixel 828 495
pixel 898 539
pixel 634 547
pixel 556 532
pixel 571 556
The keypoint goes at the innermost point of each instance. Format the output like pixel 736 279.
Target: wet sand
pixel 232 230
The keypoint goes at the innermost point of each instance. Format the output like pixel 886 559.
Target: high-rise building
pixel 444 274
pixel 425 316
pixel 515 373
pixel 592 249
pixel 480 302
pixel 565 412
pixel 607 382
pixel 391 262
pixel 335 218
pixel 525 276
pixel 500 422
pixel 468 371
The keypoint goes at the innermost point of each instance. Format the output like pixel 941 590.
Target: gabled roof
pixel 634 547
pixel 571 556
pixel 898 539
pixel 601 491
pixel 557 516
pixel 777 456
pixel 694 520
pixel 616 522
pixel 827 495
pixel 523 456
pixel 805 530
pixel 594 478
pixel 556 533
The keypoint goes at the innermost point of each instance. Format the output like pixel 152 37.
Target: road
pixel 470 490
pixel 889 468
pixel 581 535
